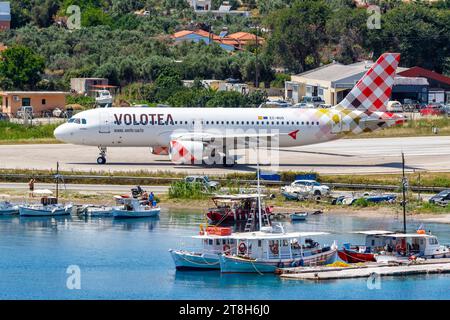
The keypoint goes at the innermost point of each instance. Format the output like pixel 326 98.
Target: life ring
pixel 227 249
pixel 242 248
pixel 274 248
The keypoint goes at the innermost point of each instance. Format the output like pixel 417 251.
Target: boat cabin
pixel 235 207
pixel 272 245
pixel 419 244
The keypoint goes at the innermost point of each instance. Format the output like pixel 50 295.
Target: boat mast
pixel 57 181
pixel 404 182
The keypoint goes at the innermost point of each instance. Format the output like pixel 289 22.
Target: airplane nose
pixel 62 133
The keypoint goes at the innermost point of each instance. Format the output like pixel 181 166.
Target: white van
pixel 394 106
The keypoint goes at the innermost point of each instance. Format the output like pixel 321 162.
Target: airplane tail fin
pixel 372 92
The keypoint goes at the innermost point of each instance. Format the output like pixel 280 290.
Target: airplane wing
pixel 210 138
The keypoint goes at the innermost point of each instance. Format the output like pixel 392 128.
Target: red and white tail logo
pixel 373 90
pixel 179 154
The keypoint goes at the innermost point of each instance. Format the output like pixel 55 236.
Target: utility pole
pixel 404 182
pixel 256 60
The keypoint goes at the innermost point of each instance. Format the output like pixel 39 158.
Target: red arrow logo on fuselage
pixel 293 134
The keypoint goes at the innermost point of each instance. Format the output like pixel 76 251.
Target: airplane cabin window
pixel 83 121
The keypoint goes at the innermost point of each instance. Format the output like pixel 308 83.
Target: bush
pixel 184 190
pixel 14 131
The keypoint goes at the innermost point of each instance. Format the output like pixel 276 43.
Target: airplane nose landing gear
pixel 102 158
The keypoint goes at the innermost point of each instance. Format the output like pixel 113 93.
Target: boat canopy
pixel 261 235
pixel 408 235
pixel 275 236
pixel 374 232
pixel 235 197
pixel 42 192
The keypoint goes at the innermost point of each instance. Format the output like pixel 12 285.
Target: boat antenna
pixel 57 181
pixel 259 186
pixel 404 185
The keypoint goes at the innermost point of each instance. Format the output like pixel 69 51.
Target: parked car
pixel 317 188
pixel 442 198
pixel 47 113
pixel 4 117
pixel 25 111
pixel 275 104
pixel 68 113
pixel 57 112
pixel 303 105
pixel 433 110
pixel 204 180
pixel 447 109
pixel 394 106
pixel 316 101
pixel 410 105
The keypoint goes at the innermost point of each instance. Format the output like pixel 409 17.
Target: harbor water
pixel 129 259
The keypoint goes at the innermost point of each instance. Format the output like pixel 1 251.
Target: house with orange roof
pixel 205 36
pixel 245 38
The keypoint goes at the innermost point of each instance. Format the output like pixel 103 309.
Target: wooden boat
pixel 298 216
pixel 48 206
pixel 215 241
pixel 235 207
pixel 135 208
pixel 265 251
pixel 385 246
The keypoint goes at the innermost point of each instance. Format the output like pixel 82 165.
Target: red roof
pixel 425 73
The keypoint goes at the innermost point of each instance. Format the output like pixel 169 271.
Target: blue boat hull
pixel 185 260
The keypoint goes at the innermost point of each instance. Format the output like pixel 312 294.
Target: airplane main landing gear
pixel 102 158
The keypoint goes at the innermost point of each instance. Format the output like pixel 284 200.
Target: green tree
pixel 298 34
pixel 21 67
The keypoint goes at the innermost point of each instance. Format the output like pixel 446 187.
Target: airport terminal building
pixel 333 81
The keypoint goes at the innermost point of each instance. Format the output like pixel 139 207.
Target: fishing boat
pixel 7 208
pixel 266 250
pixel 385 246
pixel 48 206
pixel 215 241
pixel 363 252
pixel 234 207
pixel 298 216
pixel 135 208
pixel 410 246
pixel 98 211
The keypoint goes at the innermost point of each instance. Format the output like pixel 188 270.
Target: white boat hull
pixel 44 211
pixel 121 213
pixel 186 260
pixel 99 212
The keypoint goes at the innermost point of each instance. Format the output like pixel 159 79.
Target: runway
pixel 346 156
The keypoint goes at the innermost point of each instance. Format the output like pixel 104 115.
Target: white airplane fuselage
pixel 147 127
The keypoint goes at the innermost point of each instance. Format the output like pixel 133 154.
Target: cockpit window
pixel 77 121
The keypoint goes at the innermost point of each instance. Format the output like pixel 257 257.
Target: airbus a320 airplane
pixel 187 135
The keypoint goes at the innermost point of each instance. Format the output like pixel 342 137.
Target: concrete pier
pixel 366 270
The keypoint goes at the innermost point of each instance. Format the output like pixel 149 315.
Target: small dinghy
pixel 135 208
pixel 7 208
pixel 98 211
pixel 298 216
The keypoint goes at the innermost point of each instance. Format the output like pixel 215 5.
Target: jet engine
pixel 159 150
pixel 186 152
